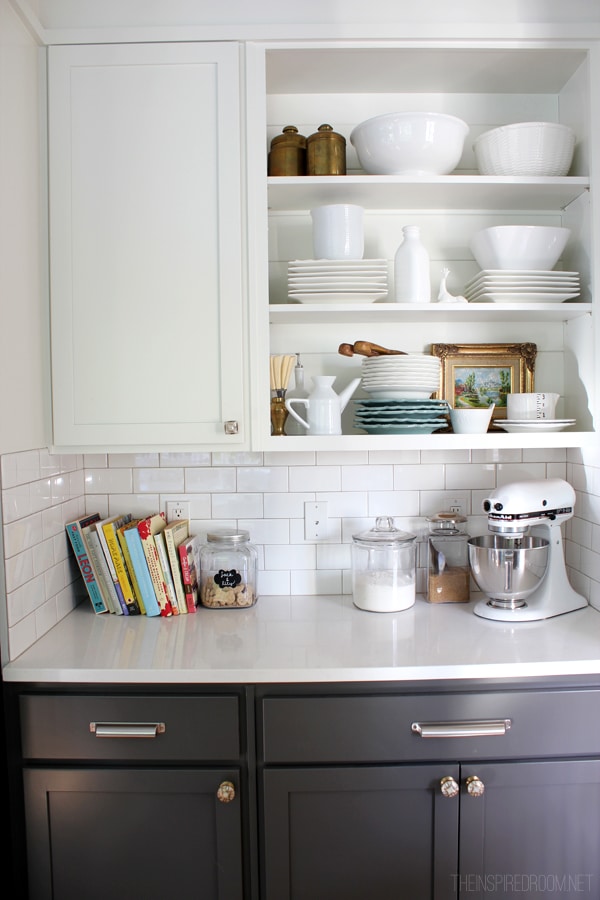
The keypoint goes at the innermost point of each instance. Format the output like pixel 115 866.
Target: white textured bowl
pixel 534 149
pixel 410 143
pixel 471 421
pixel 519 246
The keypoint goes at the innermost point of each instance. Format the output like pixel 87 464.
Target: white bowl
pixel 526 148
pixel 410 143
pixel 520 247
pixel 471 421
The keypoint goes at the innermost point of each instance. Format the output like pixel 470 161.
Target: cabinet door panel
pixel 534 832
pixel 382 833
pixel 145 243
pixel 126 834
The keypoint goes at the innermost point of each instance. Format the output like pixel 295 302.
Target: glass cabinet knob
pixel 226 792
pixel 448 786
pixel 475 786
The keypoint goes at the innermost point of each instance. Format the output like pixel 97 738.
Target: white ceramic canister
pixel 412 278
pixel 338 231
pixel 383 568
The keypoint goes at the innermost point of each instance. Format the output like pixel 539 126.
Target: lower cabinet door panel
pixel 535 832
pixel 126 834
pixel 382 833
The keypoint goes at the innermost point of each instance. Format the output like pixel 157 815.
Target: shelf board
pixel 497 440
pixel 305 313
pixel 426 192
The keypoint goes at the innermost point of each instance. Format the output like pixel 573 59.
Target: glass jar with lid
pixel 383 568
pixel 448 571
pixel 228 570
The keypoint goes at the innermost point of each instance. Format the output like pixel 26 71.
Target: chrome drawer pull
pixel 127 729
pixel 492 727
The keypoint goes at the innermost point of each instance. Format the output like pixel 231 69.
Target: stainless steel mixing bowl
pixel 507 569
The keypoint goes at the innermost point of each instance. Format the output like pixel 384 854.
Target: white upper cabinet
pixel 148 322
pixel 487 84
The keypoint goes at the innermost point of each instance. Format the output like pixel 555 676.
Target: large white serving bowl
pixel 410 143
pixel 521 247
pixel 525 148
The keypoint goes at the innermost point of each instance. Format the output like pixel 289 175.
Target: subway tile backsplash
pixel 264 493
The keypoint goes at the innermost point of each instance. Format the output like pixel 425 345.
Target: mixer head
pixel 512 508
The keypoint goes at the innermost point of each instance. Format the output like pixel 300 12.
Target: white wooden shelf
pixel 426 192
pixel 496 440
pixel 306 313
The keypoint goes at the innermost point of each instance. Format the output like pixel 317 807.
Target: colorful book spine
pixel 165 566
pixel 176 532
pixel 103 577
pixel 75 536
pixel 188 552
pixel 129 563
pixel 110 532
pixel 147 528
pixel 111 566
pixel 138 559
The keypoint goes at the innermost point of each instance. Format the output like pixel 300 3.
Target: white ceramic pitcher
pixel 323 406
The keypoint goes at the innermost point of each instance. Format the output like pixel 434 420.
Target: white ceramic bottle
pixel 412 281
pixel 292 426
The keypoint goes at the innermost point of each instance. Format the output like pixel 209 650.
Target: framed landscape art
pixel 473 376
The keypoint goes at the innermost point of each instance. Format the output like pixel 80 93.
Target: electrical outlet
pixel 177 509
pixel 457 506
pixel 315 520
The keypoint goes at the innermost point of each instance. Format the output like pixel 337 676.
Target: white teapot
pixel 323 406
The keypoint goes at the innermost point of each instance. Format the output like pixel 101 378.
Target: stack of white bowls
pixel 405 377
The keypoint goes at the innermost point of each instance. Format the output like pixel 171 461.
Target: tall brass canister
pixel 288 153
pixel 326 152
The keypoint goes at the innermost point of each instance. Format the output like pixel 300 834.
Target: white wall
pixel 22 337
pixel 85 13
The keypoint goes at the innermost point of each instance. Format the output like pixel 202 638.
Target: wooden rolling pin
pixel 366 348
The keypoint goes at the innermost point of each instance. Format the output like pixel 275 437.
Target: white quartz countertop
pixel 308 639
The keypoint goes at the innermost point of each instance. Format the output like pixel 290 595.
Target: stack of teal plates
pixel 400 416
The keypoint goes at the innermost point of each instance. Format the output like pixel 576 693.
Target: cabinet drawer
pixel 126 727
pixel 383 728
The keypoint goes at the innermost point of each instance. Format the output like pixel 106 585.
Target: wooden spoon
pixel 366 348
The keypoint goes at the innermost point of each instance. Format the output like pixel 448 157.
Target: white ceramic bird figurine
pixel 443 294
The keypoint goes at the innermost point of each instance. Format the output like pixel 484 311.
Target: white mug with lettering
pixel 538 405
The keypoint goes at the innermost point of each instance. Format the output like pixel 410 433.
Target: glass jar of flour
pixel 383 568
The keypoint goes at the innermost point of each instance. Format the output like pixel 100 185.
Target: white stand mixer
pixel 532 508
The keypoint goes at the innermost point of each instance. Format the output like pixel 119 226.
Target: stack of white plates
pixel 520 426
pixel 337 280
pixel 401 416
pixel 522 286
pixel 401 377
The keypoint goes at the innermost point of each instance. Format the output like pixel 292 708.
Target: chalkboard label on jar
pixel 227 578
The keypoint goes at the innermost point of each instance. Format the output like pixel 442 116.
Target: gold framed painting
pixel 473 376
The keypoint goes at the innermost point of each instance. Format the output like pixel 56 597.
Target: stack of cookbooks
pixel 135 567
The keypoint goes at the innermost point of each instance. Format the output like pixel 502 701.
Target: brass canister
pixel 288 153
pixel 326 152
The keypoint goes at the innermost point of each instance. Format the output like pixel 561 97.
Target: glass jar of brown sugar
pixel 448 571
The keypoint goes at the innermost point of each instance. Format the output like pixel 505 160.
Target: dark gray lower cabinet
pixel 388 833
pixel 123 834
pixel 535 832
pixel 135 795
pixel 342 792
pixel 355 802
pixel 358 833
